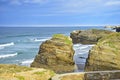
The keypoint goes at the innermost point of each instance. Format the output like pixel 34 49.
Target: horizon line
pixel 58 25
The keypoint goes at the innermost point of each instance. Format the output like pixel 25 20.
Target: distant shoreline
pixel 53 25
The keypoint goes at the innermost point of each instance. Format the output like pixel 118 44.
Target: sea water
pixel 20 45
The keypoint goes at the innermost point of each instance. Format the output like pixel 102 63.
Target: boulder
pixel 88 36
pixel 56 54
pixel 105 55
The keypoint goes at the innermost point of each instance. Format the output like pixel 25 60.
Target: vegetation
pixel 20 77
pixel 14 72
pixel 44 72
pixel 5 68
pixel 62 37
pixel 111 41
pixel 40 73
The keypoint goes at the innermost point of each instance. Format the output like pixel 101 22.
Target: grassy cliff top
pixel 14 72
pixel 63 38
pixel 7 68
pixel 112 39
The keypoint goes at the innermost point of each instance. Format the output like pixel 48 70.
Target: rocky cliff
pixel 88 36
pixel 56 54
pixel 105 55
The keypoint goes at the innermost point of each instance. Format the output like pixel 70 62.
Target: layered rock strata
pixel 56 54
pixel 105 55
pixel 88 36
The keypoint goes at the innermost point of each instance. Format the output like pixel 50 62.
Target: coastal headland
pixel 55 58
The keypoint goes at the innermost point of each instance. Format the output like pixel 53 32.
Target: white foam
pixel 41 40
pixel 77 45
pixel 81 51
pixel 27 62
pixel 2 46
pixel 8 55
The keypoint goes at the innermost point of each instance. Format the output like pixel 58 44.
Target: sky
pixel 59 12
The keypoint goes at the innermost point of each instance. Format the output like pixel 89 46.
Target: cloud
pixel 53 7
pixel 18 2
pixel 79 6
pixel 34 1
pixel 113 3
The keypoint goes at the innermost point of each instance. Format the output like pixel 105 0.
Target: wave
pixel 6 45
pixel 82 47
pixel 27 62
pixel 21 35
pixel 77 45
pixel 40 40
pixel 8 55
pixel 81 53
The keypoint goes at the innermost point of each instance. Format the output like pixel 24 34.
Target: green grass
pixel 40 73
pixel 63 37
pixel 52 73
pixel 6 68
pixel 44 72
pixel 20 77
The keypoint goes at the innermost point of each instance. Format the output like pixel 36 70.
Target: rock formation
pixel 105 55
pixel 117 28
pixel 88 36
pixel 56 54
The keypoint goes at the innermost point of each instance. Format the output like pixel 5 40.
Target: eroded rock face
pixel 105 55
pixel 56 54
pixel 88 36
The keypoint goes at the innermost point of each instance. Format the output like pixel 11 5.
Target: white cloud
pixel 80 6
pixel 89 6
pixel 17 2
pixel 113 3
pixel 34 1
pixel 72 6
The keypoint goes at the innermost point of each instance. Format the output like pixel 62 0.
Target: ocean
pixel 20 45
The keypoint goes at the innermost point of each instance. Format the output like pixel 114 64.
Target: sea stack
pixel 88 36
pixel 105 55
pixel 56 54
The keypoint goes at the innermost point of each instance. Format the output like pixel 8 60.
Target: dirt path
pixel 58 77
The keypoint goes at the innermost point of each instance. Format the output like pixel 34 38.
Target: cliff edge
pixel 88 36
pixel 105 55
pixel 56 54
pixel 14 72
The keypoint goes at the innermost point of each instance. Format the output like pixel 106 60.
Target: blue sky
pixel 59 12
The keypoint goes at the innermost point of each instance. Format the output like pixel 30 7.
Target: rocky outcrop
pixel 117 28
pixel 105 55
pixel 56 54
pixel 88 36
